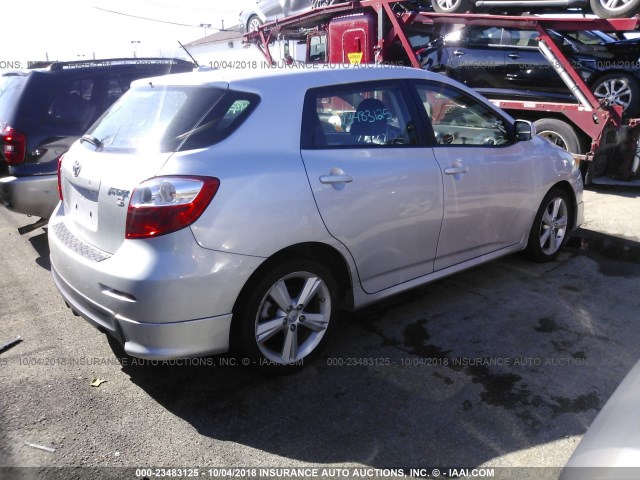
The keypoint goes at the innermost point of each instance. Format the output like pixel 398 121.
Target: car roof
pixel 300 76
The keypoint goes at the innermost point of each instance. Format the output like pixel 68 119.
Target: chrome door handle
pixel 454 170
pixel 514 55
pixel 458 53
pixel 336 179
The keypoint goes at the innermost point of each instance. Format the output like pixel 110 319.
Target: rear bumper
pixel 34 195
pixel 162 298
pixel 151 341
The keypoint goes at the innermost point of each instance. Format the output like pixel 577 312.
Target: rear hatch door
pixel 126 146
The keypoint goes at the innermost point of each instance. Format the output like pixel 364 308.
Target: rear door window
pixel 357 116
pixel 73 102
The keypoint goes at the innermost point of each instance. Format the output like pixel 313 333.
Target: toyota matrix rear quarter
pixel 242 209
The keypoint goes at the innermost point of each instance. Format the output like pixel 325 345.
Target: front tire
pixel 287 316
pixel 550 227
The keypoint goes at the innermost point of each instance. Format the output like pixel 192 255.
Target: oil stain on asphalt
pixel 616 257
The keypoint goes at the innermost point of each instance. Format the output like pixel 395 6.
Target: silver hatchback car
pixel 228 209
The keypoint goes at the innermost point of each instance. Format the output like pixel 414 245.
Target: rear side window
pixel 169 119
pixel 74 102
pixel 10 88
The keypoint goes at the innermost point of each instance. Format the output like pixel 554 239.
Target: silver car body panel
pixel 488 205
pixel 389 216
pixel 611 446
pixel 173 295
pixel 34 195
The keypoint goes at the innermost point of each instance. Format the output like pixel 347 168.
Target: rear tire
pixel 287 316
pixel 550 226
pixel 559 133
pixel 617 10
pixel 452 6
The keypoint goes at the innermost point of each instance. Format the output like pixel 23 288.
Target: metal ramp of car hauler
pixel 614 154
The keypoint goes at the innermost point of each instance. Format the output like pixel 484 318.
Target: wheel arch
pixel 322 253
pixel 565 186
pixel 632 74
pixel 598 74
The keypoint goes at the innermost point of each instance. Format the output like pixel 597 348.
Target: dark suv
pixel 44 110
pixel 506 63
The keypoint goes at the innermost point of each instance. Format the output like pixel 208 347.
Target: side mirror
pixel 525 130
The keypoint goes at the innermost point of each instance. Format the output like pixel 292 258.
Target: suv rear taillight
pixel 14 145
pixel 60 177
pixel 163 205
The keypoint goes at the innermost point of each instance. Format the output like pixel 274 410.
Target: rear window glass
pixel 10 88
pixel 169 119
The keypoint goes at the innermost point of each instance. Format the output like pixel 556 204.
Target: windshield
pixel 164 119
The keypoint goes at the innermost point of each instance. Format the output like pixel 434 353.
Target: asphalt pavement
pixel 501 367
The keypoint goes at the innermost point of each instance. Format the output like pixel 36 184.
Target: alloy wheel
pixel 293 317
pixel 615 91
pixel 553 227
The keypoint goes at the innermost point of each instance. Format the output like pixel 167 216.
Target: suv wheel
pixel 615 8
pixel 452 6
pixel 287 316
pixel 618 89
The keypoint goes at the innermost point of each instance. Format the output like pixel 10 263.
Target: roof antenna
pixel 191 56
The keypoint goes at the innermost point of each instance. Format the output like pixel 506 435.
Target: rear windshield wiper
pixel 92 140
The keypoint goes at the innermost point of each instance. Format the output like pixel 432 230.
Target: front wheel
pixel 615 8
pixel 618 89
pixel 287 316
pixel 550 227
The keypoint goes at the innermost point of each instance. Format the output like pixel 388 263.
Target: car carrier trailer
pixel 379 32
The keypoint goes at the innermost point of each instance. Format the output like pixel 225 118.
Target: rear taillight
pixel 14 145
pixel 163 205
pixel 60 177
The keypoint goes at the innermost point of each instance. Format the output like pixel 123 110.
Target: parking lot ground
pixel 503 366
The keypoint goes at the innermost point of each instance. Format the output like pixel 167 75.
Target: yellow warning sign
pixel 355 58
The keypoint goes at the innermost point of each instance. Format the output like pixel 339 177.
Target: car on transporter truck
pixel 601 8
pixel 595 124
pixel 506 63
